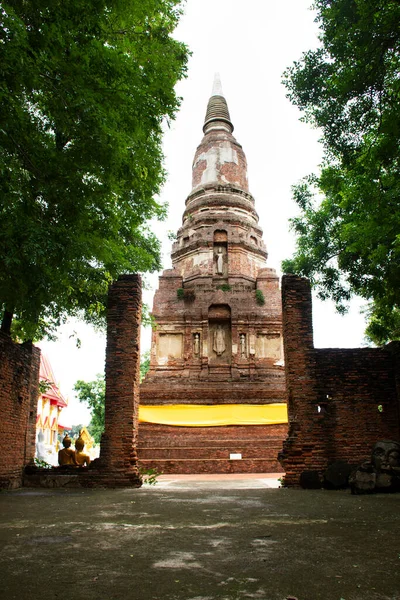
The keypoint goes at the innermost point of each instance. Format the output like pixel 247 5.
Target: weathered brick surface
pixel 340 401
pixel 189 466
pixel 118 460
pixel 117 465
pixel 221 148
pixel 208 449
pixel 19 391
pixel 219 266
pixel 152 434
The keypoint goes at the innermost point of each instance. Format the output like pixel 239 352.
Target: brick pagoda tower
pixel 214 397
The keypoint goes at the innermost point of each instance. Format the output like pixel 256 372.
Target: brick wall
pixel 19 389
pixel 340 401
pixel 118 460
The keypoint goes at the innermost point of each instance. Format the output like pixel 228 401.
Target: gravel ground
pixel 210 538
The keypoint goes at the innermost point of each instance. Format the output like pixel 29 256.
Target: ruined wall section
pixel 357 400
pixel 118 459
pixel 340 401
pixel 19 392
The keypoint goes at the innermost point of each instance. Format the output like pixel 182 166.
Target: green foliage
pixel 149 476
pixel 44 386
pixel 93 394
pixel 144 364
pixel 348 230
pixel 188 295
pixel 225 287
pixel 42 464
pixel 384 324
pixel 147 318
pixel 74 431
pixel 85 90
pixel 260 297
pixel 171 235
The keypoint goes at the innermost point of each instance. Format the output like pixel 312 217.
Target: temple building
pixel 49 407
pixel 214 399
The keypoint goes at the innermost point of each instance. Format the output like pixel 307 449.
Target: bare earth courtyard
pixel 200 538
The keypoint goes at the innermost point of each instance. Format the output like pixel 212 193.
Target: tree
pixel 74 431
pixel 144 364
pixel 93 394
pixel 348 229
pixel 86 87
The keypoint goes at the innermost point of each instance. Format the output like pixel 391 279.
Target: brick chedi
pixel 214 397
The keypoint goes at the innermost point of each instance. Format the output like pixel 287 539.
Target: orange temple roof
pixel 47 376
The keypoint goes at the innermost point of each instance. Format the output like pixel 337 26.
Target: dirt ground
pixel 221 538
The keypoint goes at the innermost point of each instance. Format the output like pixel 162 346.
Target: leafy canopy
pixel 85 88
pixel 348 231
pixel 93 393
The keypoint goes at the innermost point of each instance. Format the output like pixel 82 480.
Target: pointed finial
pixel 217 87
pixel 217 115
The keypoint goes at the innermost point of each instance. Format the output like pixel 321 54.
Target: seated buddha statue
pixel 66 456
pixel 82 459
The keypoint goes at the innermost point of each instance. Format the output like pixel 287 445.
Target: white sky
pixel 250 44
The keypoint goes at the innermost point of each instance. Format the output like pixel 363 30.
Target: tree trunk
pixel 6 322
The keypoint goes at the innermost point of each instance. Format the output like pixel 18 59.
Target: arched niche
pixel 220 252
pixel 220 334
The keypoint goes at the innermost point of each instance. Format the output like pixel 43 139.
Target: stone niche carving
pixel 243 345
pixel 220 253
pixel 220 342
pixel 170 345
pixel 220 336
pixel 196 344
pixel 268 345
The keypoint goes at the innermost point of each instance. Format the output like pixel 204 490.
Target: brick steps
pixel 159 442
pixel 185 450
pixel 209 452
pixel 185 466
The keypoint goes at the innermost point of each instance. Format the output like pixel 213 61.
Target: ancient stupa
pixel 214 398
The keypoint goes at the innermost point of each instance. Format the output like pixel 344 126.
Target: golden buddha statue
pixel 66 456
pixel 81 458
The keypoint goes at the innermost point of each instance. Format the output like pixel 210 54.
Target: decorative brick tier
pixel 215 391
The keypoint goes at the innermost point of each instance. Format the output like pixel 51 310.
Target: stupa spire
pixel 216 347
pixel 217 115
pixel 217 86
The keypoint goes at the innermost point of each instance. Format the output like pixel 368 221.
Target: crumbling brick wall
pixel 118 459
pixel 19 390
pixel 340 401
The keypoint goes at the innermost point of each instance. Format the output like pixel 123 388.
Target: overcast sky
pixel 250 44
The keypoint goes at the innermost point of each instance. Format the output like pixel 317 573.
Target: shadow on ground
pixel 221 538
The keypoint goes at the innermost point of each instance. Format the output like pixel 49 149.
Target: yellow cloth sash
pixel 202 415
